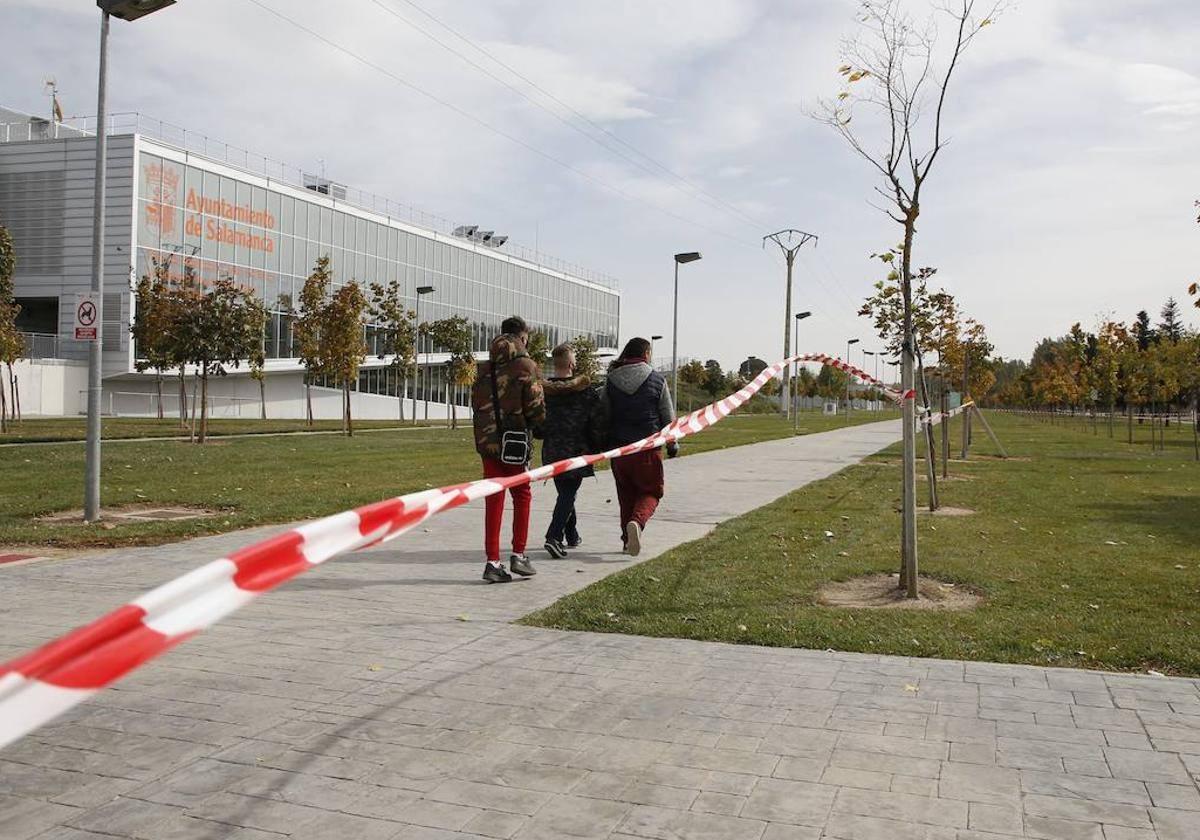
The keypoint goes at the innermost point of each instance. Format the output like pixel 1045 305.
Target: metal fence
pixel 40 345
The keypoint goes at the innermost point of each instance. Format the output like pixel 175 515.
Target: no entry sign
pixel 87 314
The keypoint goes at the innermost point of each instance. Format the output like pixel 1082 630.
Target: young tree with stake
pixel 890 69
pixel 343 346
pixel 396 325
pixel 453 335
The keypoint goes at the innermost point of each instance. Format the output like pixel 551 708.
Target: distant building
pixel 218 211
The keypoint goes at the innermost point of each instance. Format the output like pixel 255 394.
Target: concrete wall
pixel 237 395
pixel 49 387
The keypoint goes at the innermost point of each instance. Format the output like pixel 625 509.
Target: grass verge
pixel 263 480
pixel 1084 547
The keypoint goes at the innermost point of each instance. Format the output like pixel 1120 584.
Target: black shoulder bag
pixel 514 446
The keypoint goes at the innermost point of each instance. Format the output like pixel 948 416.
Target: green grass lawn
pixel 50 429
pixel 1085 548
pixel 262 480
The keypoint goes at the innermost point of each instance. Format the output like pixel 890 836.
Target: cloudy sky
pixel 1065 194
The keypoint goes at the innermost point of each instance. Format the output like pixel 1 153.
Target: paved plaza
pixel 387 696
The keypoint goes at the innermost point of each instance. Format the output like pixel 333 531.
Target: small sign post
pixel 87 313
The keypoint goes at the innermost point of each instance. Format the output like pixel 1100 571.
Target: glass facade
pixel 212 225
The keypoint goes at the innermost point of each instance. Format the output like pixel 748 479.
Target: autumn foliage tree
pixel 895 78
pixel 12 345
pixel 153 325
pixel 342 342
pixel 453 336
pixel 307 330
pixel 215 330
pixel 396 341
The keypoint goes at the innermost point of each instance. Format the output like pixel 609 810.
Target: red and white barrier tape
pixel 37 687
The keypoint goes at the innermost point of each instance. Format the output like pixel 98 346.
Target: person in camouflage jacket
pixel 522 407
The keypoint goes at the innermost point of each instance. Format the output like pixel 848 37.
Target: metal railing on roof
pixel 133 122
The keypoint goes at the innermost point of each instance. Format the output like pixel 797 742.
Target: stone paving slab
pixel 387 695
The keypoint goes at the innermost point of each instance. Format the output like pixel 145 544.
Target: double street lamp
pixel 421 292
pixel 866 353
pixel 124 10
pixel 849 375
pixel 795 383
pixel 686 257
pixel 653 339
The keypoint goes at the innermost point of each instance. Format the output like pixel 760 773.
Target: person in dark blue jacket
pixel 573 427
pixel 637 404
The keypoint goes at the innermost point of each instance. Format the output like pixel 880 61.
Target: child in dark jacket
pixel 573 427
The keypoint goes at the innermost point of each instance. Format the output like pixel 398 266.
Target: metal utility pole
pixel 789 241
pixel 125 10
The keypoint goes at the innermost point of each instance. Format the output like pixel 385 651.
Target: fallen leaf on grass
pixel 743 627
pixel 1154 673
pixel 463 617
pixel 653 578
pixel 912 688
pixel 1094 606
pixel 374 667
pixel 829 535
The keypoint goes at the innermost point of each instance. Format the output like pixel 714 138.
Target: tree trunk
pixel 203 402
pixel 908 576
pixel 453 414
pixel 1129 417
pixel 12 391
pixel 16 395
pixel 195 383
pixel 158 382
pixel 3 409
pixel 945 434
pixel 927 430
pixel 262 398
pixel 183 412
pixel 346 430
pixel 401 393
pixel 308 401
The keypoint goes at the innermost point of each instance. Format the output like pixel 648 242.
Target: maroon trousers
pixel 639 479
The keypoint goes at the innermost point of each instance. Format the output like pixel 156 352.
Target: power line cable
pixel 697 189
pixel 486 125
pixel 709 200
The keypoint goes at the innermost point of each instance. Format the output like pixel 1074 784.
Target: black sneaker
pixel 495 573
pixel 556 549
pixel 520 565
pixel 575 543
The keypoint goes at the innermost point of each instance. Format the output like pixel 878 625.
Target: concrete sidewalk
pixel 386 695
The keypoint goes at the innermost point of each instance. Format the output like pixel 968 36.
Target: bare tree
pixel 893 69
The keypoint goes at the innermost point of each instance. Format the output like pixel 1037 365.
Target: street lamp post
pixel 800 316
pixel 687 257
pixel 866 353
pixel 653 339
pixel 421 292
pixel 125 10
pixel 849 376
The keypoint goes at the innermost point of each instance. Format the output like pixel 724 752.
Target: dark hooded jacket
pixel 637 402
pixel 574 420
pixel 518 386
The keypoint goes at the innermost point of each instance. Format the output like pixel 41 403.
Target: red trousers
pixel 493 516
pixel 639 479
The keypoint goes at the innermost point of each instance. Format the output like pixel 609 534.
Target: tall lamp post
pixel 653 339
pixel 800 316
pixel 866 353
pixel 789 241
pixel 849 376
pixel 687 257
pixel 125 10
pixel 421 292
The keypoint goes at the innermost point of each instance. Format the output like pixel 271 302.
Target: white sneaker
pixel 633 539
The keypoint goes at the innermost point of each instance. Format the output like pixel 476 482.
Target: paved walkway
pixel 386 695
